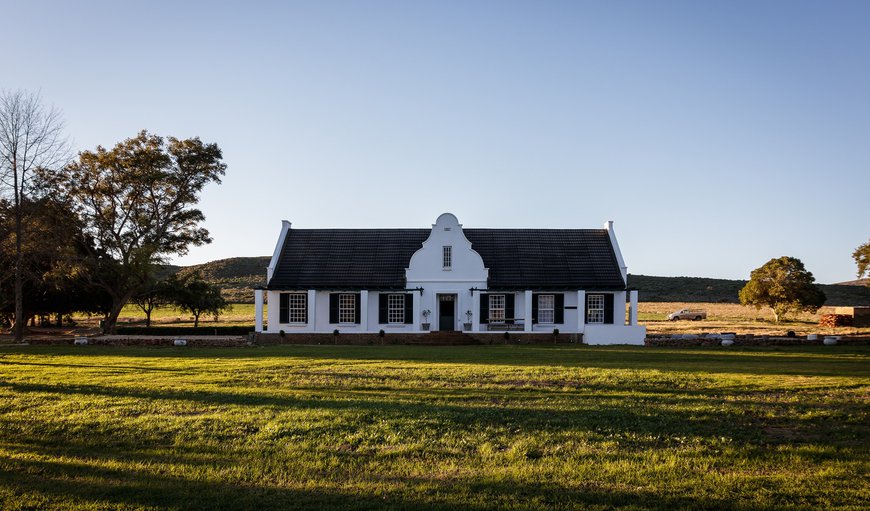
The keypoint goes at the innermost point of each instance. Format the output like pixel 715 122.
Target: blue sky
pixel 717 135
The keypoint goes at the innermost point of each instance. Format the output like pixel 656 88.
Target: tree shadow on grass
pixel 645 422
pixel 127 368
pixel 66 484
pixel 788 361
pixel 792 361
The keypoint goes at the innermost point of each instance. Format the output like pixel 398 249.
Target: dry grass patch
pixel 732 317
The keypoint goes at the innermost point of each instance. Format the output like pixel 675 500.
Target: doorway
pixel 447 312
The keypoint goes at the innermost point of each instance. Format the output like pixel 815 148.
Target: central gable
pixel 446 256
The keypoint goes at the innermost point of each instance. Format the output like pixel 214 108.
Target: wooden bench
pixel 517 325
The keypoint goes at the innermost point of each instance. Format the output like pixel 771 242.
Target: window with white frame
pixel 546 309
pixel 595 309
pixel 395 309
pixel 496 308
pixel 347 308
pixel 447 259
pixel 298 308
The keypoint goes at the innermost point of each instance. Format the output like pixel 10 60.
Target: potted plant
pixel 425 324
pixel 467 324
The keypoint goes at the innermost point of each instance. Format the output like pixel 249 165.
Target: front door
pixel 446 312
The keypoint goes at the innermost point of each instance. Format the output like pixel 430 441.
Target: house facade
pixel 448 278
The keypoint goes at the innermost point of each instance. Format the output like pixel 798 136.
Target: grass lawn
pixel 495 427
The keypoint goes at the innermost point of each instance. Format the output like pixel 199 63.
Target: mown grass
pixel 497 427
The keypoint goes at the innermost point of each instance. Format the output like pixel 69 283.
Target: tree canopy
pixel 137 203
pixel 861 255
pixel 54 279
pixel 785 286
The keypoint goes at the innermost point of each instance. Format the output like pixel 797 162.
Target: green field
pixel 501 427
pixel 131 315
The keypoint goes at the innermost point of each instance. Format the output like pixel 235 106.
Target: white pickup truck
pixel 693 314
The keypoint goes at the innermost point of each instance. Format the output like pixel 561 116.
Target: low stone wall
pixel 425 339
pixel 193 341
pixel 688 340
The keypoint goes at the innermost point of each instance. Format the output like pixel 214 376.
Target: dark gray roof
pixel 540 259
pixel 547 258
pixel 346 258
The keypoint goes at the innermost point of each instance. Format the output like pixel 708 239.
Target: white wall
pixel 614 334
pixel 426 270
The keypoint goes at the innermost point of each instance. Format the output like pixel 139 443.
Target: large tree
pixel 785 286
pixel 137 201
pixel 861 255
pixel 31 139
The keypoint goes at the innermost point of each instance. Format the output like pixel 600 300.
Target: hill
pixel 237 277
pixel 699 289
pixel 859 282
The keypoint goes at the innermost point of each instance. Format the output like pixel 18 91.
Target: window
pixel 595 309
pixel 496 308
pixel 448 257
pixel 298 308
pixel 293 308
pixel 546 309
pixel 347 308
pixel 395 309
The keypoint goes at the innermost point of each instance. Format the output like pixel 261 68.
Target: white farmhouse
pixel 447 278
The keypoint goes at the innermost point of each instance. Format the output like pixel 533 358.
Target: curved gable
pixel 426 264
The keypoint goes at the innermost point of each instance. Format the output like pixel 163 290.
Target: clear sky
pixel 717 135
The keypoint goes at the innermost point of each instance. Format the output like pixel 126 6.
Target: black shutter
pixel 382 308
pixel 333 308
pixel 357 312
pixel 535 297
pixel 484 308
pixel 284 308
pixel 559 305
pixel 509 308
pixel 608 309
pixel 409 309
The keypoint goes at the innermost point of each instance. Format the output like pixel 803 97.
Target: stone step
pixel 443 338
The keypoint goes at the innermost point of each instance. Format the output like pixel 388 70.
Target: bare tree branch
pixel 31 141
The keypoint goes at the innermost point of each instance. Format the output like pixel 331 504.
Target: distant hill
pixel 699 289
pixel 859 282
pixel 237 277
